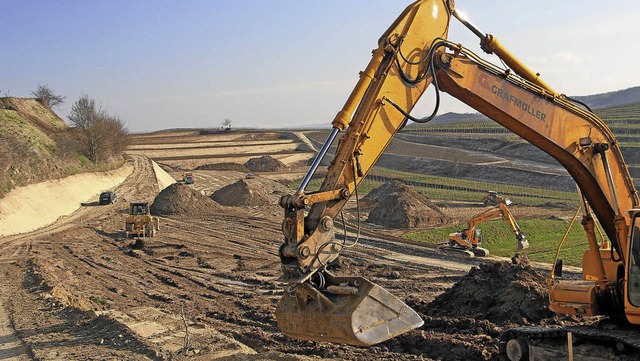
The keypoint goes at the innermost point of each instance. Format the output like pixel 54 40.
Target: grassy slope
pixel 543 235
pixel 29 151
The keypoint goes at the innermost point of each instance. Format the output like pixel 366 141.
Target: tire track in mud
pixel 221 268
pixel 145 185
pixel 39 247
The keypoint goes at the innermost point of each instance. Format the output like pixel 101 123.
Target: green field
pixel 544 235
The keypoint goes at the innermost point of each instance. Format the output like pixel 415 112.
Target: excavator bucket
pixel 523 243
pixel 351 310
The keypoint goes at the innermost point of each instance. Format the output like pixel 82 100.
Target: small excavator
pixel 414 54
pixel 469 240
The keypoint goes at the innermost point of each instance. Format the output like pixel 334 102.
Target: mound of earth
pixel 180 199
pixel 224 166
pixel 378 194
pixel 499 292
pixel 266 163
pixel 250 192
pixel 400 206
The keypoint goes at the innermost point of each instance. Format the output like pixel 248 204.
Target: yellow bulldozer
pixel 140 222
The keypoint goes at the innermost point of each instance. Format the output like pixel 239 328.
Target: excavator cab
pixel 634 264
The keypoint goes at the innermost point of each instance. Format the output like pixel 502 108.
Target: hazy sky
pixel 280 63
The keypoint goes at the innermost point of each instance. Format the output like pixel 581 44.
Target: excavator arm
pixel 317 305
pixel 508 217
pixel 468 237
pixel 402 55
pixel 413 54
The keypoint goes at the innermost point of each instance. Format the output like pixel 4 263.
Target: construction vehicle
pixel 493 199
pixel 140 222
pixel 469 240
pixel 414 54
pixel 187 178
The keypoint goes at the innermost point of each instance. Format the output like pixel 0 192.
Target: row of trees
pixel 102 135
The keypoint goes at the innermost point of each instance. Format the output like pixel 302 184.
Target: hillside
pixel 35 145
pixel 604 104
pixel 611 99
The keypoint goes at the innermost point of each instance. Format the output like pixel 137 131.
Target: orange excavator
pixel 413 55
pixel 469 240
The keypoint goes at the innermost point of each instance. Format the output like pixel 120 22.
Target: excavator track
pixel 589 343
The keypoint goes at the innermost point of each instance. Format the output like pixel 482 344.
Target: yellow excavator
pixel 469 240
pixel 413 55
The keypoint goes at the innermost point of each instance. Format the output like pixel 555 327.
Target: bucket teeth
pixel 350 310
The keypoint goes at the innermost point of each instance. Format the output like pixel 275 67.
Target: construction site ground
pixel 206 286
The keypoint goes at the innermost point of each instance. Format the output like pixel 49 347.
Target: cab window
pixel 634 263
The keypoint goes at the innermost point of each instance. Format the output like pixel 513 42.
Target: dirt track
pixel 77 290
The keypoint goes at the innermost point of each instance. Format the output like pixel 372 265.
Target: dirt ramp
pixel 250 192
pixel 266 163
pixel 181 199
pixel 400 206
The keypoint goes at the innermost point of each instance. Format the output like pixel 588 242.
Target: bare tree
pixel 119 135
pixel 104 135
pixel 48 96
pixel 226 124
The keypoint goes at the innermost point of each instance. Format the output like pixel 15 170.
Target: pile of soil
pixel 378 194
pixel 465 322
pixel 400 206
pixel 180 199
pixel 246 192
pixel 266 163
pixel 224 166
pixel 499 292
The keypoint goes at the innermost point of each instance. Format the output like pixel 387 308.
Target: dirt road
pixel 79 290
pixel 204 288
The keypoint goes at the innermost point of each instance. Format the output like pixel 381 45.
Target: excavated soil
pixel 400 206
pixel 250 192
pixel 266 163
pixel 206 286
pixel 499 292
pixel 181 199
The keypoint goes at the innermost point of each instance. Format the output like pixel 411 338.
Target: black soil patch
pixel 224 166
pixel 180 199
pixel 500 292
pixel 465 322
pixel 266 163
pixel 400 206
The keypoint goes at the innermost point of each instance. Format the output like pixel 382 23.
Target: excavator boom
pixel 369 314
pixel 412 55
